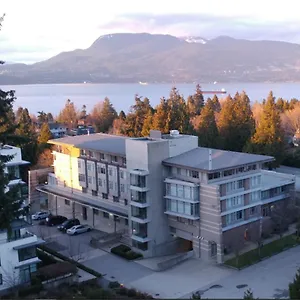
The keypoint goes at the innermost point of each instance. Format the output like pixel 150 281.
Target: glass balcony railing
pixel 140 197
pixel 140 213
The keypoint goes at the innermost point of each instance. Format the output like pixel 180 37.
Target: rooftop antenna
pixel 209 159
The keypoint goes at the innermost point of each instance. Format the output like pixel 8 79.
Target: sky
pixel 34 30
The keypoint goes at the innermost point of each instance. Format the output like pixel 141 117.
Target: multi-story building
pixel 17 246
pixel 166 191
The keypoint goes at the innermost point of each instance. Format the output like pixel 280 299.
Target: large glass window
pixel 138 181
pixel 235 217
pixel 140 230
pixel 184 208
pixel 139 245
pixel 26 253
pixel 137 212
pixel 187 192
pixel 140 197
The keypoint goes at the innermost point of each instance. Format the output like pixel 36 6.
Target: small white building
pixel 18 249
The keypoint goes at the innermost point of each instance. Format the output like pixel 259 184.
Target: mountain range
pixel 131 58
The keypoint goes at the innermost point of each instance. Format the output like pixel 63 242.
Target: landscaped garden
pixel 267 250
pixel 125 252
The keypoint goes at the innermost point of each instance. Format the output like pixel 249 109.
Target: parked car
pixel 40 215
pixel 68 224
pixel 55 220
pixel 78 229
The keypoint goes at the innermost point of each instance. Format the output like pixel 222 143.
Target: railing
pixel 141 234
pixel 16 238
pixel 140 216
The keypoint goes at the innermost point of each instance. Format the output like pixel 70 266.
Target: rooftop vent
pixel 174 133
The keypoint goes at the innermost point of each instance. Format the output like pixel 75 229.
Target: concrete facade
pixel 166 192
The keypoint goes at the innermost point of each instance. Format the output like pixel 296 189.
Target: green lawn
pixel 252 257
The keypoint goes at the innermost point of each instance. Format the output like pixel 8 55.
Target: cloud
pixel 206 25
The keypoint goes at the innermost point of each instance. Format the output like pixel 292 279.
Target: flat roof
pixel 95 142
pixel 271 179
pixel 198 158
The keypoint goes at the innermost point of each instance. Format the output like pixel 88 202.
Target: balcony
pixel 139 214
pixel 139 199
pixel 139 232
pixel 138 182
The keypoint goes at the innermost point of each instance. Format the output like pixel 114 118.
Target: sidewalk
pixel 251 245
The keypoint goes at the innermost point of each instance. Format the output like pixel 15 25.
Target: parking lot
pixel 76 247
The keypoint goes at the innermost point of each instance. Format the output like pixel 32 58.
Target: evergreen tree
pixel 45 134
pixel 42 117
pixel 245 123
pixel 216 103
pixel 198 100
pixel 83 114
pixel 103 115
pixel 69 114
pixel 122 115
pixel 138 113
pixel 268 138
pixel 177 113
pixel 207 130
pixel 294 287
pixel 26 130
pixel 50 118
pixel 226 124
pixel 10 205
pixel 147 125
pixel 160 116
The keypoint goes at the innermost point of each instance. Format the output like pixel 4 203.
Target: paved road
pixel 268 279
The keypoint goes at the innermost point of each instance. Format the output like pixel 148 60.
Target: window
pixel 255 196
pixel 122 188
pixel 180 220
pixel 116 199
pixel 89 167
pixel 194 174
pixel 26 253
pixel 230 186
pixel 102 157
pixel 235 217
pixel 104 196
pixel 180 191
pixel 122 174
pixel 255 181
pixel 105 215
pixel 81 177
pixel 110 185
pixel 253 210
pixel 67 202
pixel 1 279
pixel 102 170
pixel 235 201
pixel 100 182
pixel 213 249
pixel 94 193
pixel 114 158
pixel 173 190
pixel 124 161
pixel 178 171
pixel 96 212
pixel 265 212
pixel 25 273
pixel 110 171
pixel 84 213
pixel 190 222
pixel 126 221
pixel 240 184
pixel 125 202
pixel 82 152
pixel 79 164
pixel 139 245
pixel 91 154
pixel 229 172
pixel 90 179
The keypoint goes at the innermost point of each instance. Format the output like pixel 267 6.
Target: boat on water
pixel 222 91
pixel 143 83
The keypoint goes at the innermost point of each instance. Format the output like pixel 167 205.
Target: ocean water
pixel 52 97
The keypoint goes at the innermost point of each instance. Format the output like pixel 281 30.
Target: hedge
pixel 29 290
pixel 125 252
pixel 65 258
pixel 45 258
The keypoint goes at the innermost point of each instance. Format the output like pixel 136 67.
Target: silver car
pixel 77 229
pixel 40 215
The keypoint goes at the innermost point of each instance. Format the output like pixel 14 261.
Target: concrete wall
pixel 181 144
pixel 210 229
pixel 34 196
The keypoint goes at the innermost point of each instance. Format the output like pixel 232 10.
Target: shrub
pixel 29 290
pixel 114 285
pixel 67 259
pixel 45 258
pixel 125 252
pixel 131 293
pixel 99 294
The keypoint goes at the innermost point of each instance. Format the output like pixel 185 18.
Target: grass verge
pixel 270 249
pixel 65 258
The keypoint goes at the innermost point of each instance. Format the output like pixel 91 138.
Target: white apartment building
pixel 18 249
pixel 167 193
